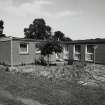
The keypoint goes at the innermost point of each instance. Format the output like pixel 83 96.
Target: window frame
pixel 24 52
pixel 76 53
pixel 66 52
pixel 88 53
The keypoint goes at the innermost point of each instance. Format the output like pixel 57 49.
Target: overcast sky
pixel 78 19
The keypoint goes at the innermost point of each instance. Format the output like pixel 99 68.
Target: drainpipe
pixel 11 53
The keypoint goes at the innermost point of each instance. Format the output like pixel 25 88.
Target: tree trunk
pixel 48 59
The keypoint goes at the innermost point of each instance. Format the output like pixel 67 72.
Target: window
pixel 66 48
pixel 66 52
pixel 23 48
pixel 90 48
pixel 90 52
pixel 77 52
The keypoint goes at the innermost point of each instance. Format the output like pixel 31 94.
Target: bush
pixel 40 61
pixel 70 61
pixel 7 69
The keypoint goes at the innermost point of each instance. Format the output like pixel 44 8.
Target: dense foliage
pixel 59 36
pixel 50 47
pixel 40 31
pixel 1 28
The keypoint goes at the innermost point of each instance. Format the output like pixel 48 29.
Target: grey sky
pixel 78 19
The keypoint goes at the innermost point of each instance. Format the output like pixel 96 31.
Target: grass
pixel 6 101
pixel 59 92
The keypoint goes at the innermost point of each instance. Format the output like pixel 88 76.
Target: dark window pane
pixel 23 47
pixel 90 48
pixel 77 48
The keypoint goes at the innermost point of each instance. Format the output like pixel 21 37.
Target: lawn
pixel 17 86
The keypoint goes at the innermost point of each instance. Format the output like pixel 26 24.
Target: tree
pixel 66 39
pixel 48 32
pixel 60 36
pixel 50 47
pixel 26 32
pixel 1 28
pixel 38 30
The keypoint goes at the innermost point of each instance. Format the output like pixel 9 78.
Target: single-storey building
pixel 91 50
pixel 18 51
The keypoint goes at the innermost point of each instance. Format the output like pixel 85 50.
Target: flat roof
pixel 87 41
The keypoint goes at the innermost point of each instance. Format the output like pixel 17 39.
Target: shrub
pixel 7 69
pixel 70 61
pixel 40 61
